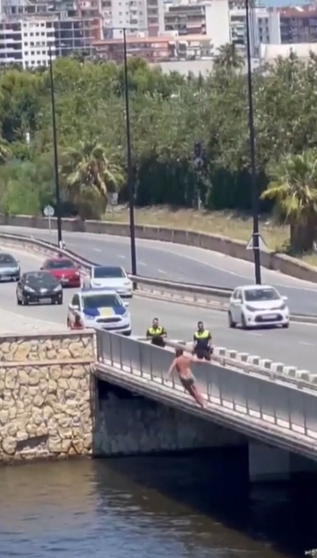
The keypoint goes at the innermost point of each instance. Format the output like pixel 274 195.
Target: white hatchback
pixel 110 277
pixel 256 306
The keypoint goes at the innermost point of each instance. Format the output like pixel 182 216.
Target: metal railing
pixel 215 297
pixel 267 407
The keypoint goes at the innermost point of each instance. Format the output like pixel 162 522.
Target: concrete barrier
pixel 217 243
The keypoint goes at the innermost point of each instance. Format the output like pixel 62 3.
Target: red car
pixel 64 270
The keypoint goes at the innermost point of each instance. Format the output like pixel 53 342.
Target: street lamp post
pixel 56 172
pixel 254 186
pixel 129 157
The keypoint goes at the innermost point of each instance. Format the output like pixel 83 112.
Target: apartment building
pixel 298 25
pixel 139 17
pixel 200 18
pixel 157 49
pixel 28 41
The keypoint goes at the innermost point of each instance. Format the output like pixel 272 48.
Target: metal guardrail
pixel 214 297
pixel 243 361
pixel 271 408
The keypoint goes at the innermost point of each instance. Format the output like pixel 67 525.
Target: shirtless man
pixel 181 364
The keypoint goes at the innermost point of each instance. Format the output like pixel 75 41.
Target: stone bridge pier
pixel 268 463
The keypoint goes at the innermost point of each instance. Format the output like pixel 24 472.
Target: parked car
pixel 99 308
pixel 258 305
pixel 64 270
pixel 110 277
pixel 39 287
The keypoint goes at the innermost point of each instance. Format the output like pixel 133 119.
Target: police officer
pixel 156 333
pixel 202 342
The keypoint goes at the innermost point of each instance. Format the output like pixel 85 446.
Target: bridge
pixel 277 415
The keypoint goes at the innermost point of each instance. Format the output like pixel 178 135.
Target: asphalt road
pixel 164 260
pixel 296 346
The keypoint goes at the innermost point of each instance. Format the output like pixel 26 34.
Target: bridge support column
pixel 268 464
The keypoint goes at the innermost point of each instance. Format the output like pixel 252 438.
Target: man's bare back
pixel 181 364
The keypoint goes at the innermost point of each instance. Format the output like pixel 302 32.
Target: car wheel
pixel 231 323
pixel 60 301
pixel 243 322
pixel 285 326
pixel 19 302
pixel 127 333
pixel 25 302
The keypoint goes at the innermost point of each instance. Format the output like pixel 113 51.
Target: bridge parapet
pixel 270 408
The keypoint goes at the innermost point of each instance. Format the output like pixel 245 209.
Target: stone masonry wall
pixel 127 424
pixel 45 384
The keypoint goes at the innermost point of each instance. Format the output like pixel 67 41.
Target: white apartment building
pixel 139 17
pixel 207 18
pixel 27 42
pixel 264 27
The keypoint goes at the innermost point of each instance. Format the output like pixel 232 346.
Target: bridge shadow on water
pixel 214 485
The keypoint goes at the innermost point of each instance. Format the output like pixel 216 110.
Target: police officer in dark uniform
pixel 202 342
pixel 156 333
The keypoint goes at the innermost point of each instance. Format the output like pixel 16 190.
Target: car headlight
pixel 127 284
pixel 283 306
pixel 58 288
pixel 250 309
pixel 28 289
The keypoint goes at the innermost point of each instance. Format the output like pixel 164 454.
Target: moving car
pixel 64 270
pixel 256 306
pixel 99 308
pixel 9 268
pixel 110 277
pixel 39 286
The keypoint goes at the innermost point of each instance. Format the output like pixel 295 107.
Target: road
pixel 164 260
pixel 296 346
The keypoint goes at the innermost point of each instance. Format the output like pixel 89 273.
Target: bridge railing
pixel 257 403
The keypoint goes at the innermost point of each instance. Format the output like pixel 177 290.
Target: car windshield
pixel 104 272
pixel 6 259
pixel 260 295
pixel 41 279
pixel 59 264
pixel 101 301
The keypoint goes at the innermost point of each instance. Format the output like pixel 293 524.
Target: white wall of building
pixel 218 22
pixel 36 40
pixel 134 15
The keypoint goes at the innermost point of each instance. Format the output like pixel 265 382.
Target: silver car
pixel 9 268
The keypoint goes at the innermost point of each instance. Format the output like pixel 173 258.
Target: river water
pixel 194 506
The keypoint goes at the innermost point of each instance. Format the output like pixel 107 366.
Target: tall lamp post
pixel 254 186
pixel 129 156
pixel 129 151
pixel 56 172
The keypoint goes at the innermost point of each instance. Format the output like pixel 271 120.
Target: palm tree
pixel 293 186
pixel 89 177
pixel 229 57
pixel 5 151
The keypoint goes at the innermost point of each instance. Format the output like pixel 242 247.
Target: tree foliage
pixel 169 113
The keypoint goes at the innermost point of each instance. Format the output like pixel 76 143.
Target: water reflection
pixel 152 508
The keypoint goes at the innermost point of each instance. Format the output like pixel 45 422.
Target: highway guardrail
pixel 214 242
pixel 226 357
pixel 215 298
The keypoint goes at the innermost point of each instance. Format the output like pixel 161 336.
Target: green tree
pixel 293 187
pixel 229 57
pixel 89 177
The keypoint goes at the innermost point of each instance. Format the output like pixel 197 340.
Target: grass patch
pixel 234 225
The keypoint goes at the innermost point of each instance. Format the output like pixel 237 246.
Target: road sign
pixel 48 211
pixel 113 198
pixel 262 244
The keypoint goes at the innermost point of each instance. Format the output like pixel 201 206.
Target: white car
pixel 256 306
pixel 100 308
pixel 109 277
